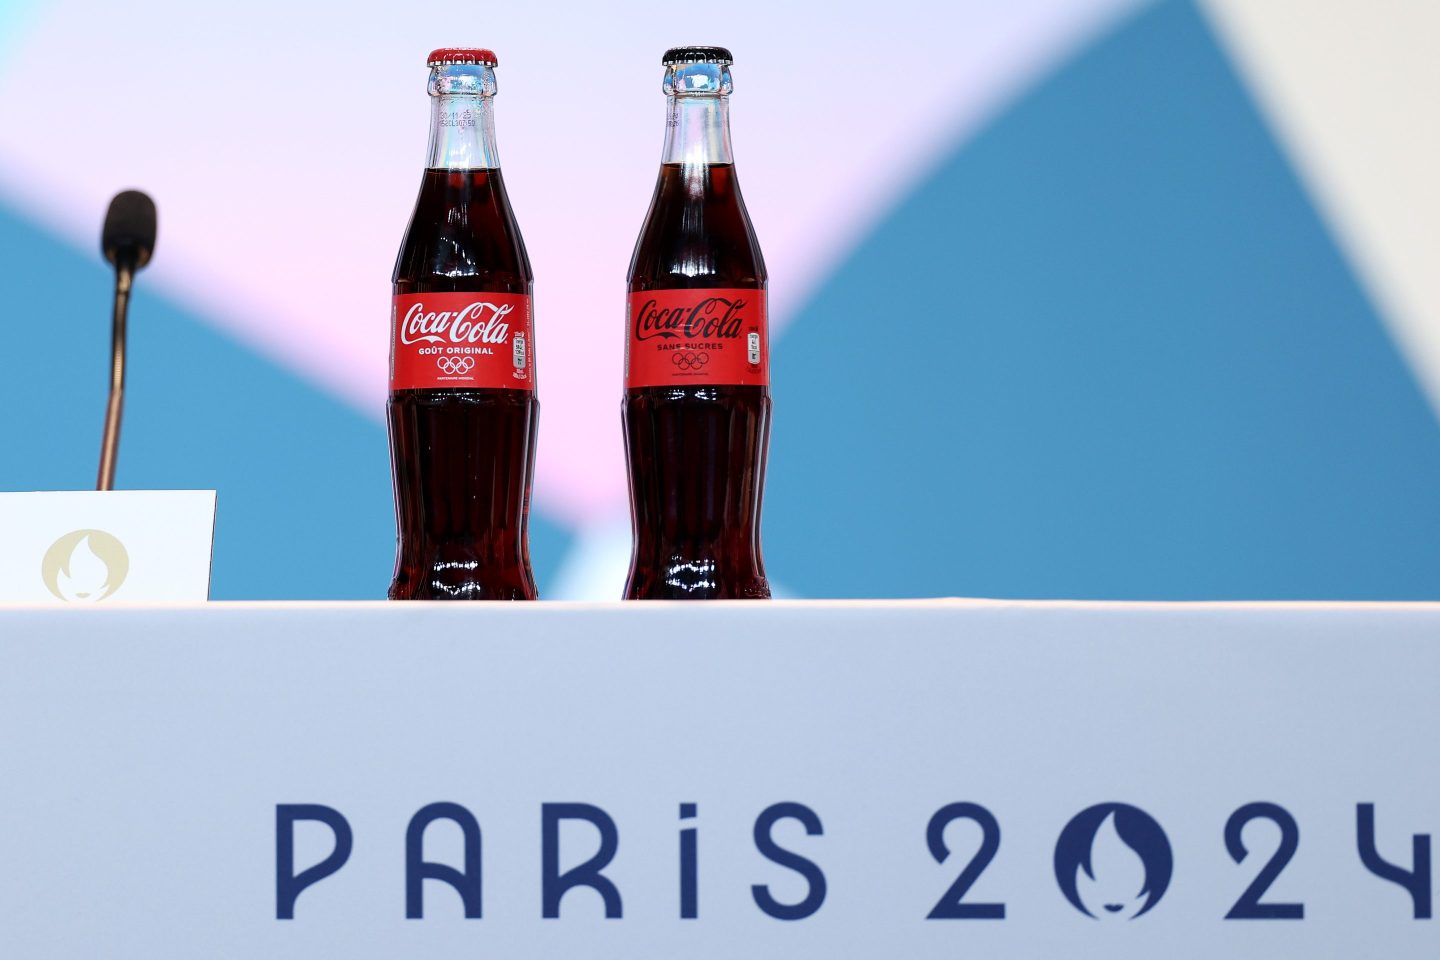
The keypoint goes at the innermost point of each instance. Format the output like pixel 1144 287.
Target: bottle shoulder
pixel 463 236
pixel 697 233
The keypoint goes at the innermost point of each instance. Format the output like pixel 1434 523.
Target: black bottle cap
pixel 696 55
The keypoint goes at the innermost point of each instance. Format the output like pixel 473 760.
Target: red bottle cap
pixel 477 55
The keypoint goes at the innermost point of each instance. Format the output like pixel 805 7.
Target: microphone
pixel 129 234
pixel 127 240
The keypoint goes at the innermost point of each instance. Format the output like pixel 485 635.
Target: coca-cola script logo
pixel 480 322
pixel 712 317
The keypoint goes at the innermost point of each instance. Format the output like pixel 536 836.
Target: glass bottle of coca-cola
pixel 462 408
pixel 697 365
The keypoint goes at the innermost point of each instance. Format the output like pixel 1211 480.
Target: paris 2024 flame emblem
pixel 85 566
pixel 1113 861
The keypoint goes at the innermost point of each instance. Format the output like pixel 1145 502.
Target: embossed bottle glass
pixel 463 409
pixel 697 370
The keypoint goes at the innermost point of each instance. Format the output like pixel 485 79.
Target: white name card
pixel 123 546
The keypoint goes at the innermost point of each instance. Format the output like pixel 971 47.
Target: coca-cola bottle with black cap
pixel 463 407
pixel 697 364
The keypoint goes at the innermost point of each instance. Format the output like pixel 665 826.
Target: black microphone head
pixel 129 234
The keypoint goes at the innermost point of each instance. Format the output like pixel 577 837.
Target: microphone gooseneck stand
pixel 124 274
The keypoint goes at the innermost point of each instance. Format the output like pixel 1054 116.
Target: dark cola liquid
pixel 463 460
pixel 697 454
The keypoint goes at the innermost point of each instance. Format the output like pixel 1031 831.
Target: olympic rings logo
pixel 455 365
pixel 689 359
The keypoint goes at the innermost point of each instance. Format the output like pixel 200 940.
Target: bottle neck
pixel 462 133
pixel 697 130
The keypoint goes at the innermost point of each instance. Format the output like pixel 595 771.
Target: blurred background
pixel 1072 298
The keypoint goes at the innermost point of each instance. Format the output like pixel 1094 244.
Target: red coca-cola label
pixel 687 337
pixel 457 341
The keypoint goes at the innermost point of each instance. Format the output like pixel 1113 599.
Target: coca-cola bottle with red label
pixel 697 363
pixel 463 409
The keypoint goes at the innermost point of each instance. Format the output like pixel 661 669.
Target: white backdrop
pixel 143 754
